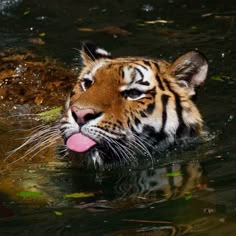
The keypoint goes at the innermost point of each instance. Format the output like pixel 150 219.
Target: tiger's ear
pixel 190 70
pixel 90 53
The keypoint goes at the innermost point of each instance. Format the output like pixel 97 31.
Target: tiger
pixel 122 108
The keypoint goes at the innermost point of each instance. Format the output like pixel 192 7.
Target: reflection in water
pixel 112 189
pixel 157 185
pixel 169 230
pixel 182 186
pixel 123 188
pixel 201 226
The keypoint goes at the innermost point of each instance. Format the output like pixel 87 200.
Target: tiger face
pixel 123 106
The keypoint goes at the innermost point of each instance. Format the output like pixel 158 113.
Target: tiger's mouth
pixel 80 143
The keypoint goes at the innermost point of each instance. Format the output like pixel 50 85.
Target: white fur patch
pixel 200 77
pixel 171 121
pixel 88 76
pixel 129 74
pixel 97 66
pixel 102 52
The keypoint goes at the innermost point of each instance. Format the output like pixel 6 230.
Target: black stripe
pixel 73 92
pixel 109 66
pixel 179 110
pixel 164 100
pixel 143 82
pixel 132 115
pixel 141 102
pixel 119 122
pixel 121 72
pixel 137 121
pixel 146 62
pixel 128 122
pixel 152 92
pixel 153 135
pixel 144 67
pixel 150 108
pixel 143 114
pixel 156 65
pixel 140 72
pixel 160 85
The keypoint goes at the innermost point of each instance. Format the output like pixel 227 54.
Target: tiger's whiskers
pixel 140 143
pixel 40 138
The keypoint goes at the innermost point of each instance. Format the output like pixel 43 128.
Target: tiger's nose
pixel 82 116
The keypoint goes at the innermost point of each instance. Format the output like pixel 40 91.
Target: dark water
pixel 190 192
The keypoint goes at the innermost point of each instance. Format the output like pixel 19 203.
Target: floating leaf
pixel 113 30
pixel 225 17
pixel 158 22
pixel 26 13
pixel 173 174
pixel 217 78
pixel 50 115
pixel 28 194
pixel 188 197
pixel 148 221
pixel 58 213
pixel 140 24
pixel 78 195
pixel 86 29
pixel 37 41
pixel 43 34
pixel 207 14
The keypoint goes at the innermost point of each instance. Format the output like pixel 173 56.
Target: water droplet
pixel 41 18
pixel 20 69
pixel 230 118
pixel 147 8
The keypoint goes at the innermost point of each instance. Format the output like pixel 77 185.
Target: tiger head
pixel 121 106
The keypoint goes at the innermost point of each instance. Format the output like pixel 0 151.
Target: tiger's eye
pixel 86 83
pixel 132 93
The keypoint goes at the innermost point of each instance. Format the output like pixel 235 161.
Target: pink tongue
pixel 79 143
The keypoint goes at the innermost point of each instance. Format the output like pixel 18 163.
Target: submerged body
pixel 122 106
